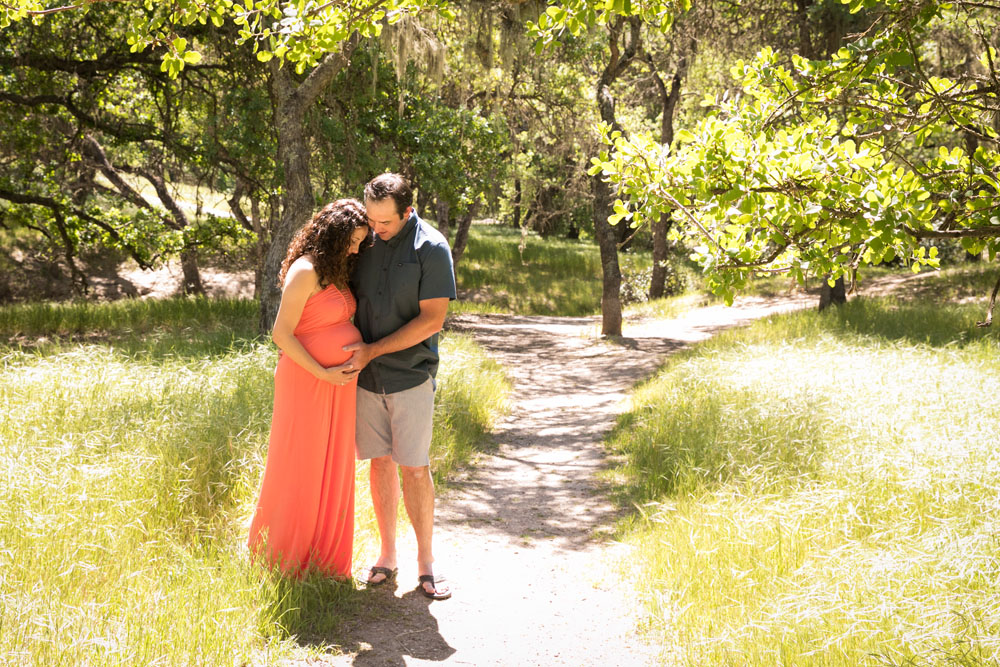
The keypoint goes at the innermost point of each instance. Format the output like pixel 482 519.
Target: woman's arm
pixel 301 282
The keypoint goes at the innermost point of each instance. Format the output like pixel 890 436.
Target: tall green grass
pixel 821 489
pixel 958 282
pixel 529 275
pixel 129 316
pixel 128 476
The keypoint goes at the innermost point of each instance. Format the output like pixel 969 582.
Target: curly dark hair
pixel 326 239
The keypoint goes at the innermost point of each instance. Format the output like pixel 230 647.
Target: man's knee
pixel 383 472
pixel 417 479
pixel 383 463
pixel 415 473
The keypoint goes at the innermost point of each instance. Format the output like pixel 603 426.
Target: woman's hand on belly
pixel 340 375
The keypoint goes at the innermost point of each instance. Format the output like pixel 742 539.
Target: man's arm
pixel 420 328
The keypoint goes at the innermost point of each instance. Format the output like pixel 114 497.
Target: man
pixel 403 285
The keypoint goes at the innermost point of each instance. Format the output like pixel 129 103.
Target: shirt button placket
pixel 384 278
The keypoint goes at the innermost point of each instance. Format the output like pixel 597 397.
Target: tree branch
pixel 990 231
pixel 96 152
pixel 234 205
pixel 60 209
pixel 180 220
pixel 132 132
pixel 54 10
pixel 324 73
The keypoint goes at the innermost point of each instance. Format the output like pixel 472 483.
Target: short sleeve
pixel 437 275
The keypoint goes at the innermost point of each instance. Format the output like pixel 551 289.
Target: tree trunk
pixel 461 236
pixel 658 282
pixel 443 212
pixel 78 279
pixel 423 202
pixel 668 102
pixel 607 241
pixel 192 277
pixel 191 281
pixel 802 19
pixel 291 101
pixel 297 200
pixel 260 247
pixel 189 257
pixel 517 203
pixel 830 37
pixel 607 237
pixel 624 234
pixel 835 295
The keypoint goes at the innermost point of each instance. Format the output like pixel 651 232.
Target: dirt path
pixel 522 535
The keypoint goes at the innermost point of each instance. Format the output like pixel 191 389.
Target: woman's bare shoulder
pixel 303 263
pixel 302 272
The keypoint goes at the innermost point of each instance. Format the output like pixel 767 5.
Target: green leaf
pixel 264 56
pixel 899 58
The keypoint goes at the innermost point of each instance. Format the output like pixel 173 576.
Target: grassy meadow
pixel 821 489
pixel 132 440
pixel 505 272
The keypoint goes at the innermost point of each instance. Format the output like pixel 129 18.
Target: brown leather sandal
pixel 440 592
pixel 388 573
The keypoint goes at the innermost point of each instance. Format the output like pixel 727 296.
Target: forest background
pixel 807 138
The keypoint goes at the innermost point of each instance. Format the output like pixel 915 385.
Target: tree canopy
pixel 815 167
pixel 809 138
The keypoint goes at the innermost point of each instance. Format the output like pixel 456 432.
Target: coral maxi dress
pixel 305 514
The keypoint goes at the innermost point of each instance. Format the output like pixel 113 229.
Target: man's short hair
pixel 391 185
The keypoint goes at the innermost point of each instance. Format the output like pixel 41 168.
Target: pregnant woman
pixel 305 513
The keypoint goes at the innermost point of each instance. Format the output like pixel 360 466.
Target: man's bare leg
pixel 418 497
pixel 385 499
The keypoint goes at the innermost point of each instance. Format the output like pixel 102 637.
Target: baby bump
pixel 325 345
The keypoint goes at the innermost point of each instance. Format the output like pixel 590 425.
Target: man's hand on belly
pixel 363 353
pixel 427 323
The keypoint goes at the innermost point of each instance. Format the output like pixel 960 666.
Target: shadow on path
pixel 544 480
pixel 389 630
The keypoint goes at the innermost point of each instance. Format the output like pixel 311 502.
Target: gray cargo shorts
pixel 398 424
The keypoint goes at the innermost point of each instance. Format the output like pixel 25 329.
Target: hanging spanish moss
pixel 408 41
pixel 513 18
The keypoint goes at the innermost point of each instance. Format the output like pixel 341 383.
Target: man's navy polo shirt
pixel 390 280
